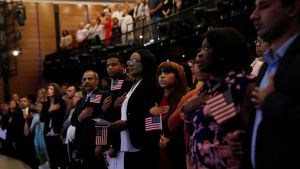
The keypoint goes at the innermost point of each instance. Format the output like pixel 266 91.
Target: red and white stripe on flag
pixel 220 108
pixel 153 123
pixel 118 85
pixel 101 135
pixel 95 98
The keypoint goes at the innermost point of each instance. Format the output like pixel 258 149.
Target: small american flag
pixel 153 123
pixel 95 98
pixel 101 135
pixel 222 107
pixel 117 84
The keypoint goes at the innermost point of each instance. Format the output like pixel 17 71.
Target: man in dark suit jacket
pixel 87 109
pixel 24 138
pixel 275 121
pixel 121 83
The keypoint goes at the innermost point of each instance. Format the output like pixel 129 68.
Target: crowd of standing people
pixel 230 119
pixel 123 24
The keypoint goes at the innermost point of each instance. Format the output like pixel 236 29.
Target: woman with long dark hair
pixel 52 115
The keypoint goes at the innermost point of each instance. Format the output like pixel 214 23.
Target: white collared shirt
pixel 25 111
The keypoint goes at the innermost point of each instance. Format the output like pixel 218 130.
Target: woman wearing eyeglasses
pixel 260 47
pixel 135 106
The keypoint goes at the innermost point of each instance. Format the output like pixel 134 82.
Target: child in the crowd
pixel 39 141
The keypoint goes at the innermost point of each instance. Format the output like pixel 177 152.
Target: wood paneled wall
pixel 71 15
pixel 39 40
pixel 28 76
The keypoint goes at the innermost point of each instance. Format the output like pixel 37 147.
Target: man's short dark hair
pixel 65 84
pixel 117 56
pixel 77 88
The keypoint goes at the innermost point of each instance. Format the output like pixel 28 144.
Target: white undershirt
pixel 126 145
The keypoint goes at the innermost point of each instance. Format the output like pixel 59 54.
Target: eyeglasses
pixel 132 61
pixel 258 42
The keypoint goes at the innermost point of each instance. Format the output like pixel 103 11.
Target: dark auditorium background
pixel 40 37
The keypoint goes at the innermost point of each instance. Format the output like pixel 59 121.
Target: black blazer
pixel 85 130
pixel 15 128
pixel 278 135
pixel 137 109
pixel 57 116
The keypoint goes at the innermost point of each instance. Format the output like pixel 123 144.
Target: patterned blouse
pixel 208 145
